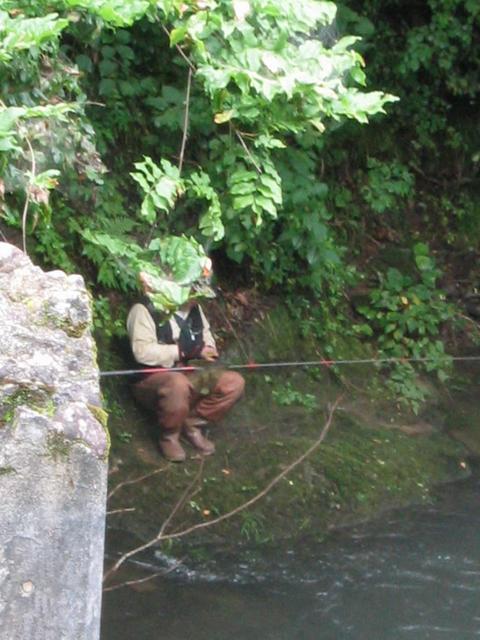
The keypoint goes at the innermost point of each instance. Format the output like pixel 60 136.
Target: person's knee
pixel 174 394
pixel 232 384
pixel 173 401
pixel 175 386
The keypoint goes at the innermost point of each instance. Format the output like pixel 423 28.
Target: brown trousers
pixel 174 396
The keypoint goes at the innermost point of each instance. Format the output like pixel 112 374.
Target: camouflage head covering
pixel 180 271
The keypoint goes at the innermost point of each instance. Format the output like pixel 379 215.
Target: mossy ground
pixel 365 465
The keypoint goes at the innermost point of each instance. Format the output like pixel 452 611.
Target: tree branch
pixel 135 480
pixel 127 510
pixel 185 121
pixel 247 150
pixel 27 198
pixel 181 51
pixel 159 535
pixel 129 583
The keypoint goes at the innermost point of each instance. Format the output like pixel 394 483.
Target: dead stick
pixel 185 121
pixel 247 150
pixel 128 583
pixel 127 510
pixel 159 535
pixel 27 198
pixel 135 480
pixel 180 51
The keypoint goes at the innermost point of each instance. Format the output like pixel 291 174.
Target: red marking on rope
pixel 328 363
pixel 146 371
pixel 252 365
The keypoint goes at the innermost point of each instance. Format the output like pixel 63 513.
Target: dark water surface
pixel 414 574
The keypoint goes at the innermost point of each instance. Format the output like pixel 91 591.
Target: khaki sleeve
pixel 143 340
pixel 208 338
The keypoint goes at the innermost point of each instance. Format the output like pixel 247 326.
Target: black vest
pixel 191 327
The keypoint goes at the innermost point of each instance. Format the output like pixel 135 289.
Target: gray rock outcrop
pixel 53 456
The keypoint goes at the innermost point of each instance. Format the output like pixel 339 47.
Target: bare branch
pixel 191 71
pixel 183 498
pixel 32 177
pixel 135 480
pixel 160 534
pixel 181 51
pixel 247 150
pixel 129 583
pixel 27 197
pixel 468 319
pixel 185 121
pixel 127 510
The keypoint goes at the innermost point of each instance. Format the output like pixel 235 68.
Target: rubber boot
pixel 170 446
pixel 194 435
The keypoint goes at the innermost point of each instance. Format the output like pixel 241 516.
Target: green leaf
pixel 8 119
pixel 267 205
pixel 243 188
pixel 148 210
pixel 177 35
pixel 24 33
pixel 116 12
pixel 107 87
pixel 242 202
pixel 84 63
pixel 184 257
pixel 424 263
pixel 342 45
pixel 8 144
pixel 224 116
pixel 107 67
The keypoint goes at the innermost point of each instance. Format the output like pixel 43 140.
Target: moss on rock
pixel 4 471
pixel 38 399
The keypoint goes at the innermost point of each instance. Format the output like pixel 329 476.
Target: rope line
pixel 271 365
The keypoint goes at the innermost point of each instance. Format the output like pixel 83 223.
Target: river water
pixel 412 574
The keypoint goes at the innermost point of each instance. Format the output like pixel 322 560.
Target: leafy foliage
pixel 288 396
pixel 388 186
pixel 255 66
pixel 408 316
pixel 239 122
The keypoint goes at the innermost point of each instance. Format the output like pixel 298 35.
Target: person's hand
pixel 209 353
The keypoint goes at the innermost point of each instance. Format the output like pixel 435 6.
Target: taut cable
pixel 271 365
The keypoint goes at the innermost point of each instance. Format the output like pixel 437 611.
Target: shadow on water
pixel 414 573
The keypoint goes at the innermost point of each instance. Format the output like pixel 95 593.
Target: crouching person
pixel 184 402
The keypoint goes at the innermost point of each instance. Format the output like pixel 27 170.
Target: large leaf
pixel 24 33
pixel 182 258
pixel 116 12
